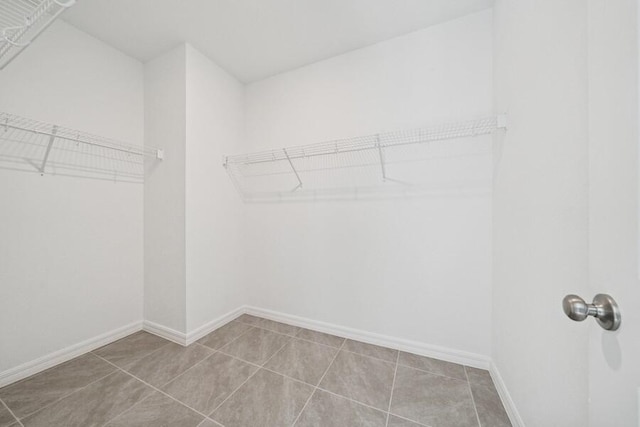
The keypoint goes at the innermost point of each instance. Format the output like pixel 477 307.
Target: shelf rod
pixel 354 150
pixel 124 150
pixel 294 170
pixel 37 14
pixel 52 137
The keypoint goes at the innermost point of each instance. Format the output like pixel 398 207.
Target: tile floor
pixel 253 372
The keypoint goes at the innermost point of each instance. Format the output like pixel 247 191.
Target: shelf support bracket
pixel 384 172
pixel 46 154
pixel 294 170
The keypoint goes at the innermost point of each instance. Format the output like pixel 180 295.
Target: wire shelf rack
pixel 33 146
pixel 22 21
pixel 433 159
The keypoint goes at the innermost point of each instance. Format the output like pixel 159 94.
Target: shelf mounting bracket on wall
pixel 52 138
pixel 381 155
pixel 294 170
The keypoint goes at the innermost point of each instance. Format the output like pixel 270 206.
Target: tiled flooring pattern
pixel 253 372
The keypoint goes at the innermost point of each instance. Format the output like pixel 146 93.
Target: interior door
pixel 614 357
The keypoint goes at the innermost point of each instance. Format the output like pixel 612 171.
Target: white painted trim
pixel 437 352
pixel 57 357
pixel 191 337
pixel 507 401
pixel 211 326
pixel 165 332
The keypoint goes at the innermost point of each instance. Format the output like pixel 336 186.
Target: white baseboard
pixel 507 401
pixel 49 360
pixel 211 326
pixel 437 352
pixel 165 332
pixel 191 337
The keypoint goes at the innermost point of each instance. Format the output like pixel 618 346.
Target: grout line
pixel 93 352
pixel 270 330
pixel 326 345
pixel 153 387
pixel 127 410
pixel 412 421
pixel 233 392
pixel 65 396
pixel 335 356
pixel 355 352
pixel 437 374
pixel 473 401
pixel 319 343
pixel 198 363
pixel 11 412
pixel 209 356
pixel 269 370
pixel 371 357
pixel 232 341
pixel 306 339
pixel 317 387
pixel 241 334
pixel 351 400
pixel 393 384
pixel 220 350
pixel 250 376
pixel 278 351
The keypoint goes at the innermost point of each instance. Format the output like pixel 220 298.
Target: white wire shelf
pixel 447 156
pixel 31 145
pixel 22 21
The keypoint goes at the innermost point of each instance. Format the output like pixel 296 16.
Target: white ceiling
pixel 254 39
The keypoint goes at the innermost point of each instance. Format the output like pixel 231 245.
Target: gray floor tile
pixel 249 319
pixel 480 377
pixel 128 350
pixel 267 399
pixel 208 384
pixel 328 410
pixel 6 419
pixel 399 422
pixel 93 405
pixel 434 366
pixel 171 360
pixel 384 353
pixel 320 337
pixel 489 407
pixel 256 346
pixel 432 400
pixel 224 335
pixel 281 328
pixel 209 423
pixel 303 360
pixel 31 394
pixel 271 325
pixel 360 378
pixel 158 410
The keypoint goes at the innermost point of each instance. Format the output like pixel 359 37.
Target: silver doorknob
pixel 604 308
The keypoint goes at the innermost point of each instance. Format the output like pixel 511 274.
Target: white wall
pixel 164 191
pixel 194 110
pixel 418 268
pixel 70 248
pixel 214 252
pixel 540 239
